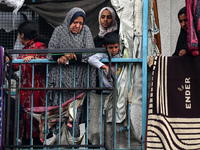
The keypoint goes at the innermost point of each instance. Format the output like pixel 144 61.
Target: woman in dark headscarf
pixel 107 23
pixel 73 33
pixel 181 46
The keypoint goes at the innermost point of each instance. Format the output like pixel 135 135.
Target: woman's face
pixel 183 21
pixel 77 25
pixel 106 19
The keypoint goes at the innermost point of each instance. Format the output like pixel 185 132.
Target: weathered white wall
pixel 169 25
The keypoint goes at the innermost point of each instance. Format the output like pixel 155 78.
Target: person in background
pixel 181 46
pixel 111 41
pixel 107 23
pixel 29 37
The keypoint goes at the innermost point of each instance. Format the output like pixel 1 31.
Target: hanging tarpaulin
pixel 55 12
pixel 1 95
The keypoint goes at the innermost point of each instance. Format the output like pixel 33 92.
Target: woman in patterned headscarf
pixel 73 33
pixel 107 23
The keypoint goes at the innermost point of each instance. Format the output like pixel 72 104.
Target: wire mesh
pixel 8 31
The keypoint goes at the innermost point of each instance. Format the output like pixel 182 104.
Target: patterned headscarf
pixel 114 25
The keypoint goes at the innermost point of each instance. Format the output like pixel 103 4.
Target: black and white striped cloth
pixel 173 112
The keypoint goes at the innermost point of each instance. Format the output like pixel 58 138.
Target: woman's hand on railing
pixel 65 59
pixel 70 56
pixel 62 60
pixel 28 58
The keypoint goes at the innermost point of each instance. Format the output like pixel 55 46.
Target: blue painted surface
pixel 144 69
pixel 33 68
pixel 74 102
pixel 18 108
pixel 124 60
pixel 60 103
pixel 46 131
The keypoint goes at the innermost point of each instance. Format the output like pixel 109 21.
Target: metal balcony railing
pixel 103 133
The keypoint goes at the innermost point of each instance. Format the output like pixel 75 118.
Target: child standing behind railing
pixel 111 41
pixel 28 36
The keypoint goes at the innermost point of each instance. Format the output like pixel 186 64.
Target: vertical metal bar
pixel 109 59
pixel 2 62
pixel 129 124
pixel 113 121
pixel 33 66
pixel 87 122
pixel 16 109
pixel 105 127
pixel 18 112
pixel 4 124
pixel 60 103
pixel 45 133
pixel 4 127
pixel 116 77
pixel 144 69
pixel 74 103
pixel 101 108
pixel 2 105
pixel 6 69
pixel 114 105
pixel 101 105
pixel 8 104
pixel 33 16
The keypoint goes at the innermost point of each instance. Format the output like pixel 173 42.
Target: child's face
pixel 113 48
pixel 21 38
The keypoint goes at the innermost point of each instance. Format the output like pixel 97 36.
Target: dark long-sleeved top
pixel 181 43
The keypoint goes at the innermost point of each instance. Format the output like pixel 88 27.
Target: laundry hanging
pixel 131 31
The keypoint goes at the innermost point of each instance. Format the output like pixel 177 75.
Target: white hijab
pixel 114 25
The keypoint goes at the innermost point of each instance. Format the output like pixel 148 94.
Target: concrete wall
pixel 169 25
